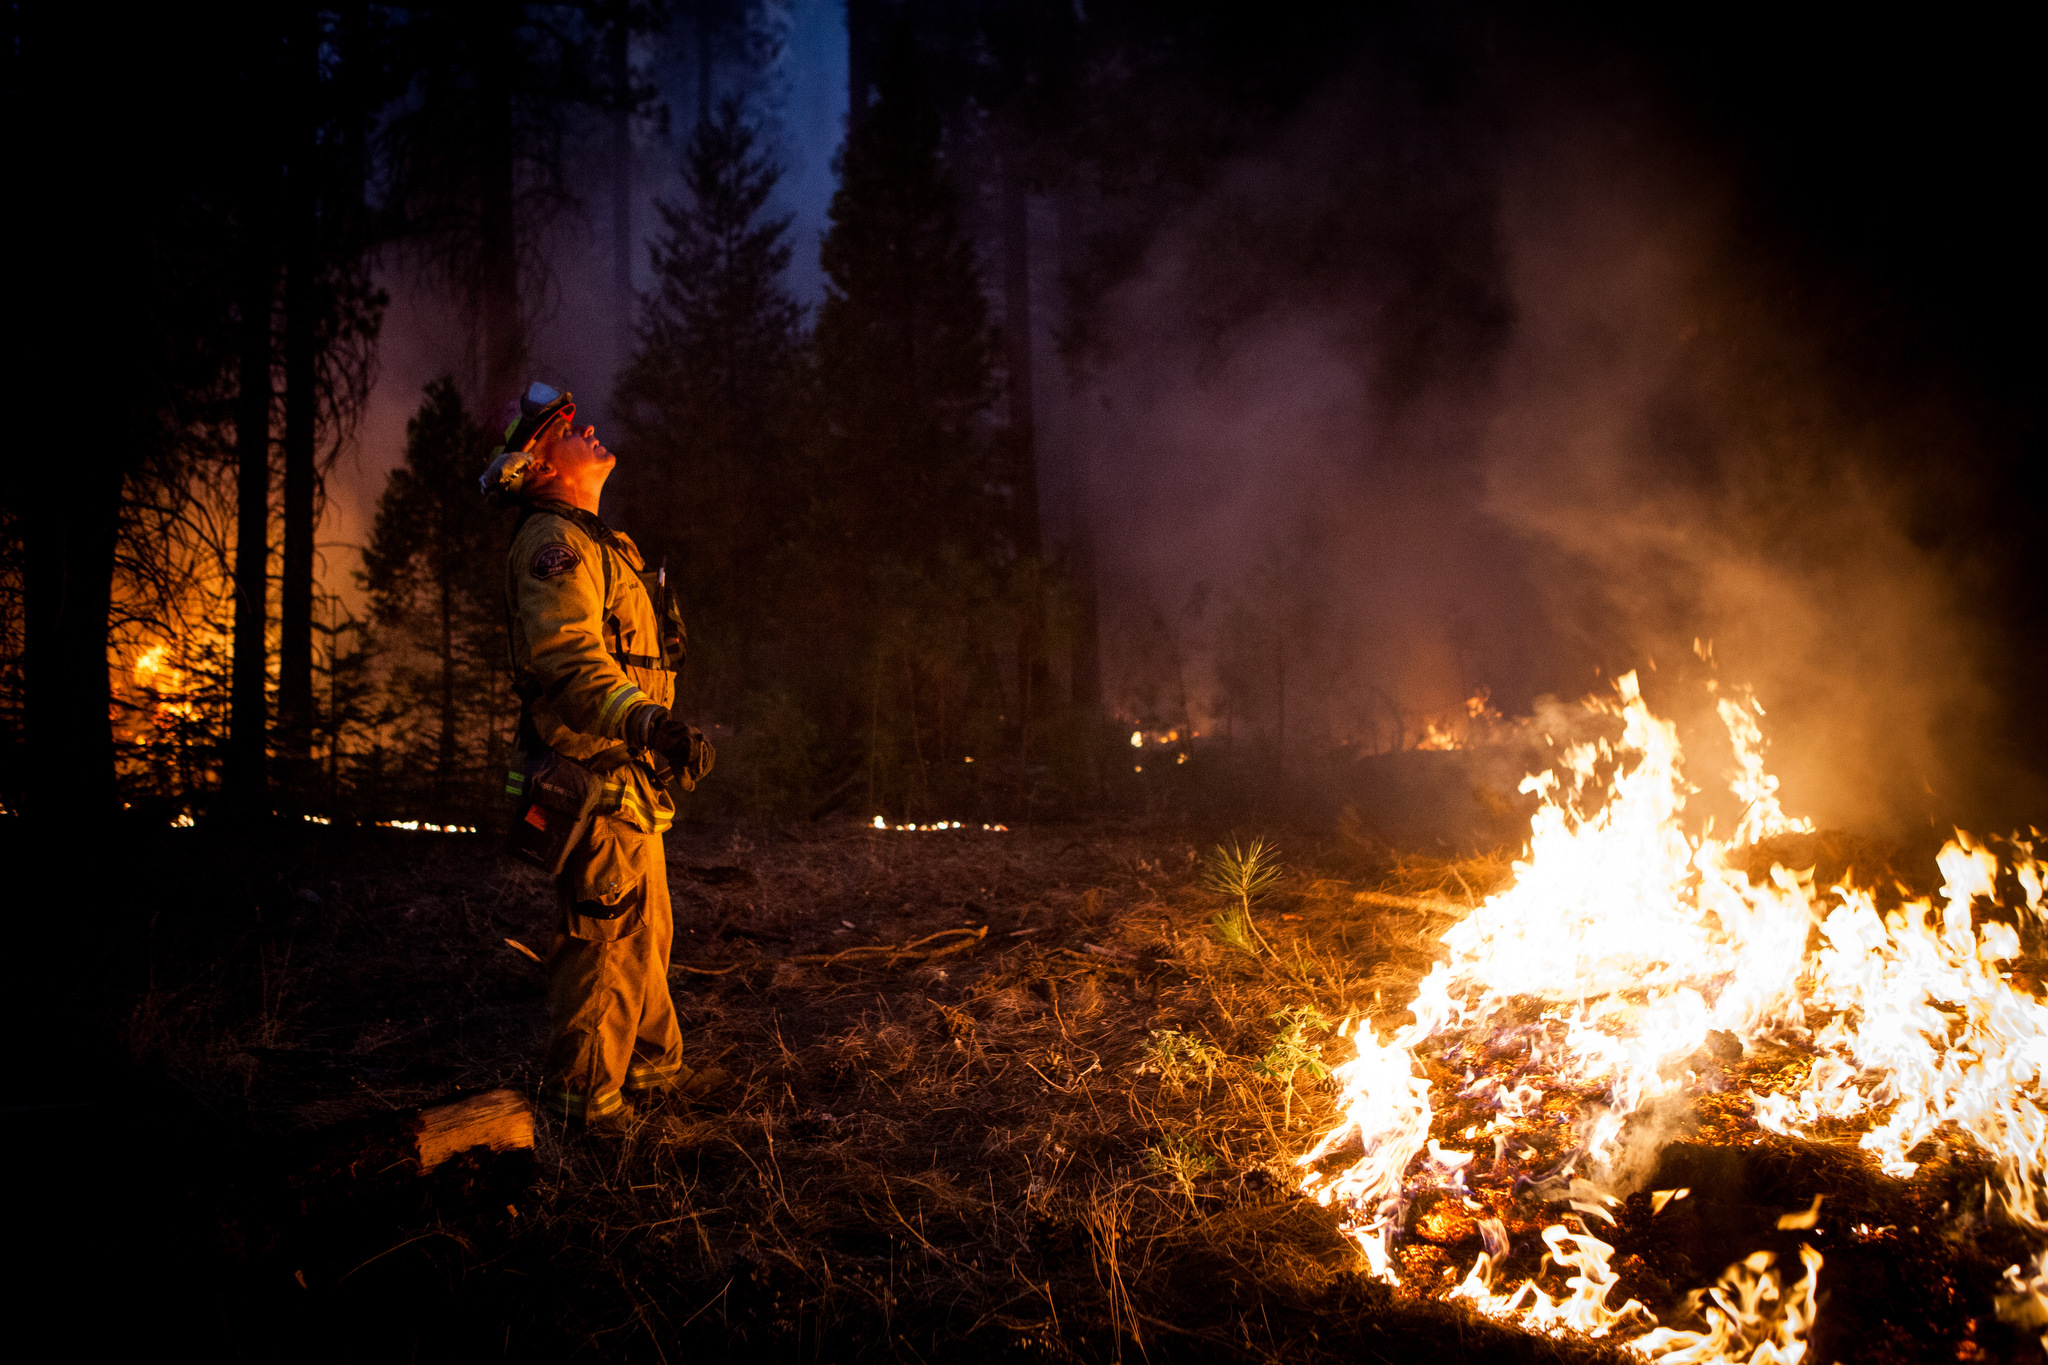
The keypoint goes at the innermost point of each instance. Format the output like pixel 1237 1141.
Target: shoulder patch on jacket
pixel 553 560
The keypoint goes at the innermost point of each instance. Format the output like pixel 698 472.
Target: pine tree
pixel 709 405
pixel 345 702
pixel 720 324
pixel 915 517
pixel 435 572
pixel 474 164
pixel 903 341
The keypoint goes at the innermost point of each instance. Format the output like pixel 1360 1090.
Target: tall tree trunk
pixel 1017 346
pixel 1280 679
pixel 301 411
pixel 863 53
pixel 622 185
pixel 444 758
pixel 68 577
pixel 245 775
pixel 1084 649
pixel 504 333
pixel 1024 528
pixel 353 92
pixel 69 511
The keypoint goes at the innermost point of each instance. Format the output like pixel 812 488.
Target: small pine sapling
pixel 1242 875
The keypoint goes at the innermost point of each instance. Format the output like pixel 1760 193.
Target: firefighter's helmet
pixel 527 420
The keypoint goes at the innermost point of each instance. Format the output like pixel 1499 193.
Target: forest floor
pixel 1070 1138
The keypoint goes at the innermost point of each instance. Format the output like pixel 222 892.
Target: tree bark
pixel 406 1143
pixel 622 184
pixel 444 757
pixel 301 413
pixel 504 332
pixel 353 82
pixel 1280 680
pixel 1084 650
pixel 500 1120
pixel 85 287
pixel 864 20
pixel 1025 529
pixel 1017 345
pixel 67 590
pixel 245 775
pixel 332 1184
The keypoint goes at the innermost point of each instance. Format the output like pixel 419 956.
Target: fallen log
pixel 395 1149
pixel 317 1202
pixel 500 1120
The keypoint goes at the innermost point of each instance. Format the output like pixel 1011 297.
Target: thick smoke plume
pixel 1644 435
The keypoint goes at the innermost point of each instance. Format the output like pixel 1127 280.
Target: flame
pixel 1750 1317
pixel 913 828
pixel 2025 1302
pixel 149 665
pixel 1141 737
pixel 1476 722
pixel 1624 942
pixel 1434 738
pixel 1585 1310
pixel 173 696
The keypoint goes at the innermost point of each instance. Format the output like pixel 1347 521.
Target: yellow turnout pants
pixel 614 1028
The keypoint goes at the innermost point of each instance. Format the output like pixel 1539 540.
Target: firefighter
pixel 595 644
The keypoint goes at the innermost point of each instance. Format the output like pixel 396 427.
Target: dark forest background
pixel 852 495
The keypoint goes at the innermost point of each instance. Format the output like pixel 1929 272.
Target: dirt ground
pixel 1065 1133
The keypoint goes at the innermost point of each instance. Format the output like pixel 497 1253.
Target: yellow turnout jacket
pixel 587 651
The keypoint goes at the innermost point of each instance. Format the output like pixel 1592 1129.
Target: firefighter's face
pixel 573 453
pixel 574 461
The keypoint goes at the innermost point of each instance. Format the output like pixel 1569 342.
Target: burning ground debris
pixel 1079 1132
pixel 1478 723
pixel 1623 971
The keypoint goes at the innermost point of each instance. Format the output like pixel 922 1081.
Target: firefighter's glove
pixel 690 753
pixel 658 728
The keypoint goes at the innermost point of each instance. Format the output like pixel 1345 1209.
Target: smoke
pixel 1258 498
pixel 1590 420
pixel 1672 439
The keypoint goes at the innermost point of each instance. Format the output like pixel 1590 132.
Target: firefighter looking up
pixel 595 644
